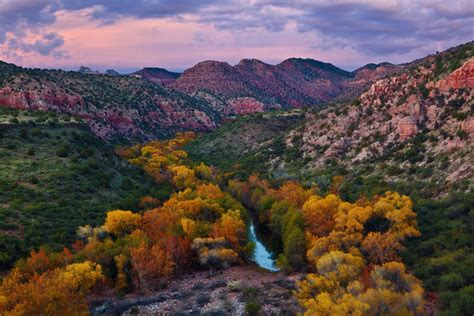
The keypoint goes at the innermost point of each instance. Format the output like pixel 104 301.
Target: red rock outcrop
pixel 460 78
pixel 246 105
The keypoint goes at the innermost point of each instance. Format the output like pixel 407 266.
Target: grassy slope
pixel 249 142
pixel 55 175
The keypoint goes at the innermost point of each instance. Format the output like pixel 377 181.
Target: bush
pixel 253 308
pixel 63 150
pixel 31 151
pixel 462 134
pixel 23 133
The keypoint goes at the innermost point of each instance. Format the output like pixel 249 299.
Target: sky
pixel 176 34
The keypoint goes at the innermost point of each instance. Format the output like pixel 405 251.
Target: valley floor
pixel 233 291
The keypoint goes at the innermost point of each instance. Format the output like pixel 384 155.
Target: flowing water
pixel 262 255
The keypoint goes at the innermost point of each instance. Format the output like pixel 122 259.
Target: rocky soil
pixel 229 292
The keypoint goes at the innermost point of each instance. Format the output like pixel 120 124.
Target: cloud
pixel 23 27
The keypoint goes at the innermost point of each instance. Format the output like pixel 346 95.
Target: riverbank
pixel 226 292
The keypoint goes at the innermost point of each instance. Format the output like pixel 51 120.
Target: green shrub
pixel 462 134
pixel 253 308
pixel 63 150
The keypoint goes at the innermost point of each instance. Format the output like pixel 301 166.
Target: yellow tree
pixel 121 222
pixel 393 291
pixel 231 227
pixel 319 212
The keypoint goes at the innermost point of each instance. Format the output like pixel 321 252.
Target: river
pixel 262 255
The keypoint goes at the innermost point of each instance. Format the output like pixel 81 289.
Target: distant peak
pixel 299 60
pixel 373 66
pixel 247 61
pixel 87 70
pixel 112 72
pixel 212 63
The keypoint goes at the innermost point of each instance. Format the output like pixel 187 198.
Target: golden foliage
pixel 121 222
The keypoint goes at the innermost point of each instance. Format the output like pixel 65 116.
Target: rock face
pixel 294 82
pixel 157 75
pixel 115 107
pixel 244 106
pixel 460 78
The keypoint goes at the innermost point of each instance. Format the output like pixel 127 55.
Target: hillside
pixel 412 132
pixel 56 175
pixel 416 125
pixel 257 86
pixel 114 107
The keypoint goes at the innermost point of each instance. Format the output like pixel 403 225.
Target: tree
pixel 398 210
pixel 183 177
pixel 319 213
pixel 151 264
pixel 121 222
pixel 294 246
pixel 214 252
pixel 294 193
pixel 232 228
pixel 381 248
pixel 335 269
pixel 82 276
pixel 121 281
pixel 55 292
pixel 394 291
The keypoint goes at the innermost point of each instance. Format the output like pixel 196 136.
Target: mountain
pixel 153 102
pixel 114 107
pixel 294 82
pixel 418 120
pixel 156 75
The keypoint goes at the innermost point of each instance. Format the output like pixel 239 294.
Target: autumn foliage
pixel 199 225
pixel 350 249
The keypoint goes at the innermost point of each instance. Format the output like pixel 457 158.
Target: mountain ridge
pixel 159 103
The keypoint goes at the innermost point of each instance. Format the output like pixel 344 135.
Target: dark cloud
pixel 48 44
pixel 376 28
pixel 388 29
pixel 114 9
